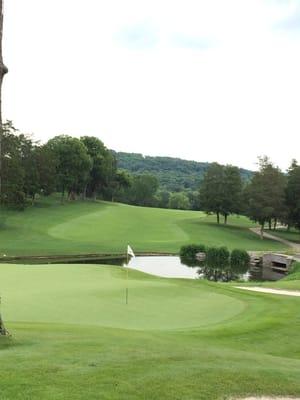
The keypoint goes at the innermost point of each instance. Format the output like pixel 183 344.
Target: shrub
pixel 190 250
pixel 239 261
pixel 294 273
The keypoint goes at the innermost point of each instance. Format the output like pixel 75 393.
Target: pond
pixel 171 267
pixel 163 266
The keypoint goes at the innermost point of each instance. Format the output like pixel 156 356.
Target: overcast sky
pixel 209 80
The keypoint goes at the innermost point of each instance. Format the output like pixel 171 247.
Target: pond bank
pixel 76 258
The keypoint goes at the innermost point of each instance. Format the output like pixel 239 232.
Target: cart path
pixel 270 291
pixel 294 246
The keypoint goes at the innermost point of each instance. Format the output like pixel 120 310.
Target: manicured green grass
pixel 97 227
pixel 291 281
pixel 73 337
pixel 292 235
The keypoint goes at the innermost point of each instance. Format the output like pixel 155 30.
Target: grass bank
pixel 50 228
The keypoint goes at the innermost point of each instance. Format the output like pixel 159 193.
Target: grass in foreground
pixel 74 338
pixel 97 227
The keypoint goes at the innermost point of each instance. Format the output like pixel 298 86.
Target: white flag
pixel 130 251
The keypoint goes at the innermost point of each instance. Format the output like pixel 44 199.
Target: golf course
pixel 73 337
pixel 50 227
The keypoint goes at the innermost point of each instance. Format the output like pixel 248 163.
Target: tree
pixel 292 196
pixel 73 164
pixel 232 191
pixel 221 191
pixel 103 167
pixel 179 201
pixel 143 189
pixel 121 182
pixel 46 166
pixel 193 197
pixel 265 194
pixel 3 71
pixel 211 190
pixel 12 168
pixel 163 197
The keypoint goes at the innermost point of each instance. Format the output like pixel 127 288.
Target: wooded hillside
pixel 173 174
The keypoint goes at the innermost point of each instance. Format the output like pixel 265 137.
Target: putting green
pixel 95 295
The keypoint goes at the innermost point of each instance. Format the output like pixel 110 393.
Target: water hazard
pixel 163 266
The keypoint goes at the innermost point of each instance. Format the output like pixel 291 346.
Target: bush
pixel 189 251
pixel 294 274
pixel 217 258
pixel 239 261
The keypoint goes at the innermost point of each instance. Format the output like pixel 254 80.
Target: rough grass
pixel 95 227
pixel 74 338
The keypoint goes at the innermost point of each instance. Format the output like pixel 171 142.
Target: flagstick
pixel 127 280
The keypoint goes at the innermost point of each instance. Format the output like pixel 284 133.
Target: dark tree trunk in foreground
pixel 3 71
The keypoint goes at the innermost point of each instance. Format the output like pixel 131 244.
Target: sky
pixel 209 80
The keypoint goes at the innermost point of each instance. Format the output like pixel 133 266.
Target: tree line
pixel 75 167
pixel 269 198
pixel 85 168
pixel 173 174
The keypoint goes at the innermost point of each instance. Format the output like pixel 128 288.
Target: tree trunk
pixel 62 195
pixel 270 224
pixel 218 217
pixel 3 71
pixel 262 231
pixel 275 224
pixel 84 193
pixel 3 331
pixel 225 219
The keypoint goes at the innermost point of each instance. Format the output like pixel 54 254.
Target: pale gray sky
pixel 206 80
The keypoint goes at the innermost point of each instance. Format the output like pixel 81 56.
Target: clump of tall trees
pixel 268 198
pixel 221 191
pixel 74 167
pixel 77 168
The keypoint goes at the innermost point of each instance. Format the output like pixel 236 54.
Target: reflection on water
pixel 164 266
pixel 174 267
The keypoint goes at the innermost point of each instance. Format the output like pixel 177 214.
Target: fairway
pixel 73 337
pixel 98 227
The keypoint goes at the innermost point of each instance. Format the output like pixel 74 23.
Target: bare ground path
pixel 294 246
pixel 269 398
pixel 270 291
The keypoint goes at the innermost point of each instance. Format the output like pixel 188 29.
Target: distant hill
pixel 174 174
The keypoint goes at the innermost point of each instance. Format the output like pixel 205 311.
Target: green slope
pixel 95 227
